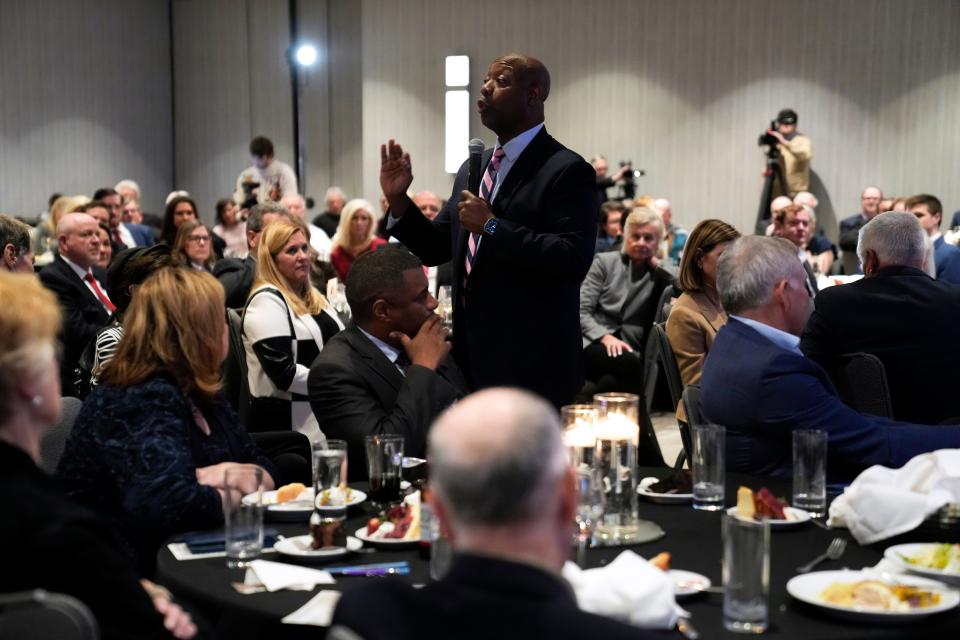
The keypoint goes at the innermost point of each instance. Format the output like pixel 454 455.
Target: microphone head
pixel 476 146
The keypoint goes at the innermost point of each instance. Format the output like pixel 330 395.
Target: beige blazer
pixel 691 327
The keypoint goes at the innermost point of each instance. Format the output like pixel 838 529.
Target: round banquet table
pixel 692 538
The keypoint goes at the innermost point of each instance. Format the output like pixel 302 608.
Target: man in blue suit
pixel 759 385
pixel 929 212
pixel 122 234
pixel 520 248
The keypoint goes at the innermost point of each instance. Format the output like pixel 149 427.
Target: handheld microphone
pixel 473 170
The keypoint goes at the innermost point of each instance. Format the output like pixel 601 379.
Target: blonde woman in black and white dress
pixel 285 325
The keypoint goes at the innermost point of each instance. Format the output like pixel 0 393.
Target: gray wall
pixel 683 88
pixel 84 99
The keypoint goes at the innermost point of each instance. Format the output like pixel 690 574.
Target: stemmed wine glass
pixel 591 502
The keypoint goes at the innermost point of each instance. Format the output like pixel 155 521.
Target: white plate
pixel 383 542
pixel 691 579
pixel 299 547
pixel 643 488
pixel 893 554
pixel 356 497
pixel 302 507
pixel 807 587
pixel 410 463
pixel 795 517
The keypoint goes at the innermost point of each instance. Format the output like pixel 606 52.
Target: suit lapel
pixel 384 376
pixel 78 282
pixel 530 160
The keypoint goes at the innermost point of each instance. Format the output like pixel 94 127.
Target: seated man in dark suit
pixel 946 257
pixel 80 288
pixel 503 487
pixel 759 385
pixel 237 275
pixel 899 314
pixel 390 371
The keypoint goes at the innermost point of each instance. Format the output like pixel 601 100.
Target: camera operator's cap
pixel 787 116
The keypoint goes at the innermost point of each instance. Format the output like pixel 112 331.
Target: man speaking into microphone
pixel 520 246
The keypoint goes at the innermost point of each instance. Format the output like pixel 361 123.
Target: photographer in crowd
pixel 795 152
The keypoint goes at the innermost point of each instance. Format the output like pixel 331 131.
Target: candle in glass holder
pixel 615 458
pixel 578 434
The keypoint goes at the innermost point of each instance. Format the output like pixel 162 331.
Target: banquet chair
pixel 54 440
pixel 861 383
pixel 235 385
pixel 41 615
pixel 664 305
pixel 672 374
pixel 691 405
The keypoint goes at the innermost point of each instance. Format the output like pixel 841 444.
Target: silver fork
pixel 834 551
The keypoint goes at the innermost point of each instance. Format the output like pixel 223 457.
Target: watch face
pixel 490 226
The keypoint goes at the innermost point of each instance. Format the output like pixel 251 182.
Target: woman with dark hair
pixel 193 247
pixel 231 228
pixel 151 444
pixel 696 315
pixel 178 210
pixel 106 247
pixel 125 275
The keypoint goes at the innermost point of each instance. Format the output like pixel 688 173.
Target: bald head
pixel 779 203
pixel 528 70
pixel 294 204
pixel 78 239
pixel 494 457
pixel 429 204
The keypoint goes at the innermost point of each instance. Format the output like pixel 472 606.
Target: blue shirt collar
pixel 515 146
pixel 780 338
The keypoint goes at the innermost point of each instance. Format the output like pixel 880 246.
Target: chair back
pixel 861 383
pixel 669 362
pixel 54 440
pixel 235 384
pixel 664 306
pixel 691 405
pixel 41 615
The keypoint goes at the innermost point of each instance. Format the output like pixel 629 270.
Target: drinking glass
pixel 590 506
pixel 445 305
pixel 708 467
pixel 746 574
pixel 579 433
pixel 243 518
pixel 810 470
pixel 327 455
pixel 384 467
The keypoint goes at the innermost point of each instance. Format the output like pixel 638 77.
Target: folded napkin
pixel 318 611
pixel 629 588
pixel 275 576
pixel 882 502
pixel 214 541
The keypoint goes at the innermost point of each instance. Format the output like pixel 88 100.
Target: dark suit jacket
pixel 51 534
pixel 761 392
pixel 481 598
pixel 850 230
pixel 83 315
pixel 142 234
pixel 909 321
pixel 236 276
pixel 947 259
pixel 355 391
pixel 517 323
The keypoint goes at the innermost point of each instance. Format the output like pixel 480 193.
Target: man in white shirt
pixel 268 180
pixel 80 289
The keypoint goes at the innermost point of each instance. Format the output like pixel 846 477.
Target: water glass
pixel 591 502
pixel 579 434
pixel 445 305
pixel 329 464
pixel 810 470
pixel 384 467
pixel 708 466
pixel 243 514
pixel 746 574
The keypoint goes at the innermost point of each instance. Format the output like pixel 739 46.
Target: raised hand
pixel 396 175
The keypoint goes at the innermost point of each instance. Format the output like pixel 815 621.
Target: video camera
pixel 767 140
pixel 628 187
pixel 249 194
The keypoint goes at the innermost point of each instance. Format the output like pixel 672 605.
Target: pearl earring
pixel 37 400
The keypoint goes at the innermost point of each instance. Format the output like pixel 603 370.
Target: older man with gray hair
pixel 503 489
pixel 15 252
pixel 898 313
pixel 758 383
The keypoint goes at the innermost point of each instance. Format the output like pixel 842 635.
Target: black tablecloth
pixel 692 537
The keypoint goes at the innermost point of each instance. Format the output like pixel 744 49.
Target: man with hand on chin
pixel 520 247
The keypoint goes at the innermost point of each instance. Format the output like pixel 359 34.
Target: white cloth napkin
pixel 318 611
pixel 275 576
pixel 882 502
pixel 629 588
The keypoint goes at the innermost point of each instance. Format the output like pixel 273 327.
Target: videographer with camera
pixel 267 180
pixel 625 176
pixel 795 152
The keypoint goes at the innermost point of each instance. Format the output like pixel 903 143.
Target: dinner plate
pixel 643 488
pixel 299 510
pixel 895 555
pixel 807 587
pixel 383 542
pixel 688 583
pixel 299 547
pixel 795 518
